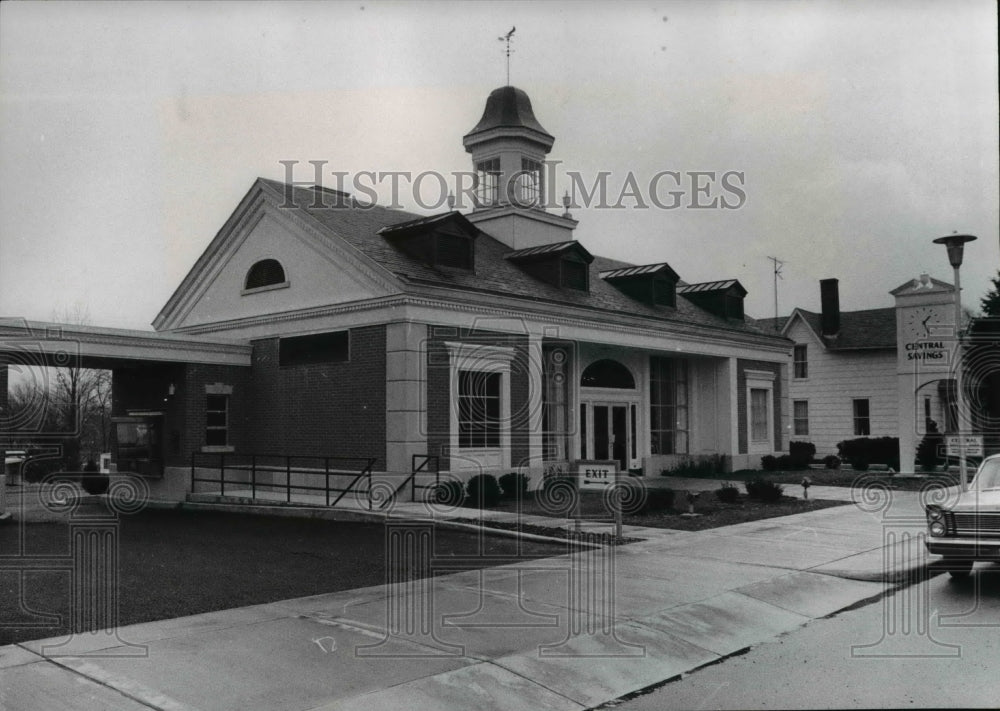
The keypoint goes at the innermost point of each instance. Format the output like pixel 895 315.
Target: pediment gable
pixel 319 268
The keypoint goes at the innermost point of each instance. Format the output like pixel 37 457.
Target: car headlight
pixel 934 514
pixel 937 528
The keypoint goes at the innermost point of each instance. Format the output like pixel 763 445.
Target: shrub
pixel 728 493
pixel 863 451
pixel 658 500
pixel 764 490
pixel 831 461
pixel 785 463
pixel 705 466
pixel 514 485
pixel 929 449
pixel 448 493
pixel 484 491
pixel 801 454
pixel 769 463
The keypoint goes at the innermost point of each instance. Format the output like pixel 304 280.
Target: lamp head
pixel 955 245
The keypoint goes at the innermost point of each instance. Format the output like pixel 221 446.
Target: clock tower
pixel 925 351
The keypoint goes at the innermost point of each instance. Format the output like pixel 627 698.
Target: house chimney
pixel 829 295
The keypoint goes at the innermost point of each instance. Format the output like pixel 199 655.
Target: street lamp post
pixel 956 245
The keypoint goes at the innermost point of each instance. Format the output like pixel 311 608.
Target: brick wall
pixel 742 366
pixel 438 391
pixel 146 387
pixel 330 409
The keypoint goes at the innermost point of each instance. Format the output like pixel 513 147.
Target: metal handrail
pixel 287 460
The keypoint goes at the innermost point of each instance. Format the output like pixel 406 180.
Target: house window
pixel 664 292
pixel 529 184
pixel 216 420
pixel 454 251
pixel 488 182
pixel 266 272
pixel 759 430
pixel 801 362
pixel 800 417
pixel 479 417
pixel 668 412
pixel 333 347
pixel 862 418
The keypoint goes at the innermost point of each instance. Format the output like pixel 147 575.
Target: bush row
pixel 864 451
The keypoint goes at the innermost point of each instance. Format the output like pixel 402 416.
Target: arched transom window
pixel 607 373
pixel 266 272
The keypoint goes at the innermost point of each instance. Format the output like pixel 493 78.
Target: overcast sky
pixel 129 131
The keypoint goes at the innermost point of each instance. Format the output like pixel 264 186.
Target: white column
pixel 535 390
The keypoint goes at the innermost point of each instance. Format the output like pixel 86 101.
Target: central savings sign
pixel 925 350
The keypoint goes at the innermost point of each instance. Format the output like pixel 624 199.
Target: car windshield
pixel 988 476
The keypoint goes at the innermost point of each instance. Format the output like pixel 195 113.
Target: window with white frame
pixel 800 417
pixel 488 182
pixel 480 410
pixel 800 362
pixel 862 417
pixel 760 410
pixel 216 420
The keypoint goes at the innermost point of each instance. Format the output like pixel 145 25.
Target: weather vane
pixel 506 38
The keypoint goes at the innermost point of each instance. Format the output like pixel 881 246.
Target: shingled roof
pixel 359 227
pixel 859 330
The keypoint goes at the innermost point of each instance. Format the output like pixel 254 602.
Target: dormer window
pixel 563 264
pixel 722 298
pixel 654 284
pixel 441 241
pixel 265 274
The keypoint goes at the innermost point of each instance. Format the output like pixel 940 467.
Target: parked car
pixel 969 529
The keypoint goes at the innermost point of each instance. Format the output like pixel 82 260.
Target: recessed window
pixel 800 416
pixel 479 415
pixel 607 373
pixel 453 251
pixel 488 182
pixel 760 430
pixel 862 418
pixel 266 272
pixel 334 347
pixel 664 292
pixel 216 420
pixel 574 274
pixel 800 364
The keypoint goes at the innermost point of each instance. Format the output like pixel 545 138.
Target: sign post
pixel 598 476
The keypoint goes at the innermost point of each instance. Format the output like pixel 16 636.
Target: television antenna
pixel 778 264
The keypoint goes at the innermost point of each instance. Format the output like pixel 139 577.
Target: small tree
pixel 929 449
pixel 990 303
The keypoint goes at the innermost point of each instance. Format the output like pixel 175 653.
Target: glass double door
pixel 609 434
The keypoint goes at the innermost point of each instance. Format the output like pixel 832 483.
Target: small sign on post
pixel 598 476
pixel 973 445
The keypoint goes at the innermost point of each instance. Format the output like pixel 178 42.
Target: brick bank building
pixel 315 326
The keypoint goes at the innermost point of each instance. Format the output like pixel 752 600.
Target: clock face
pixel 922 321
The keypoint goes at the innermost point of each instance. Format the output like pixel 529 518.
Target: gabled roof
pixel 645 269
pixel 871 329
pixel 530 254
pixel 356 227
pixel 708 286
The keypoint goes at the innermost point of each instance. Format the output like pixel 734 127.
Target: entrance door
pixel 611 433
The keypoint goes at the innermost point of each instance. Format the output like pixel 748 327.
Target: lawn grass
pixel 175 563
pixel 714 513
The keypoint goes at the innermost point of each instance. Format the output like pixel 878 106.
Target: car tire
pixel 958 568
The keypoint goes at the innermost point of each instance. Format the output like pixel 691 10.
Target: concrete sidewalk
pixel 568 632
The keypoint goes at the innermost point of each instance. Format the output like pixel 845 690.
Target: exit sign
pixel 596 475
